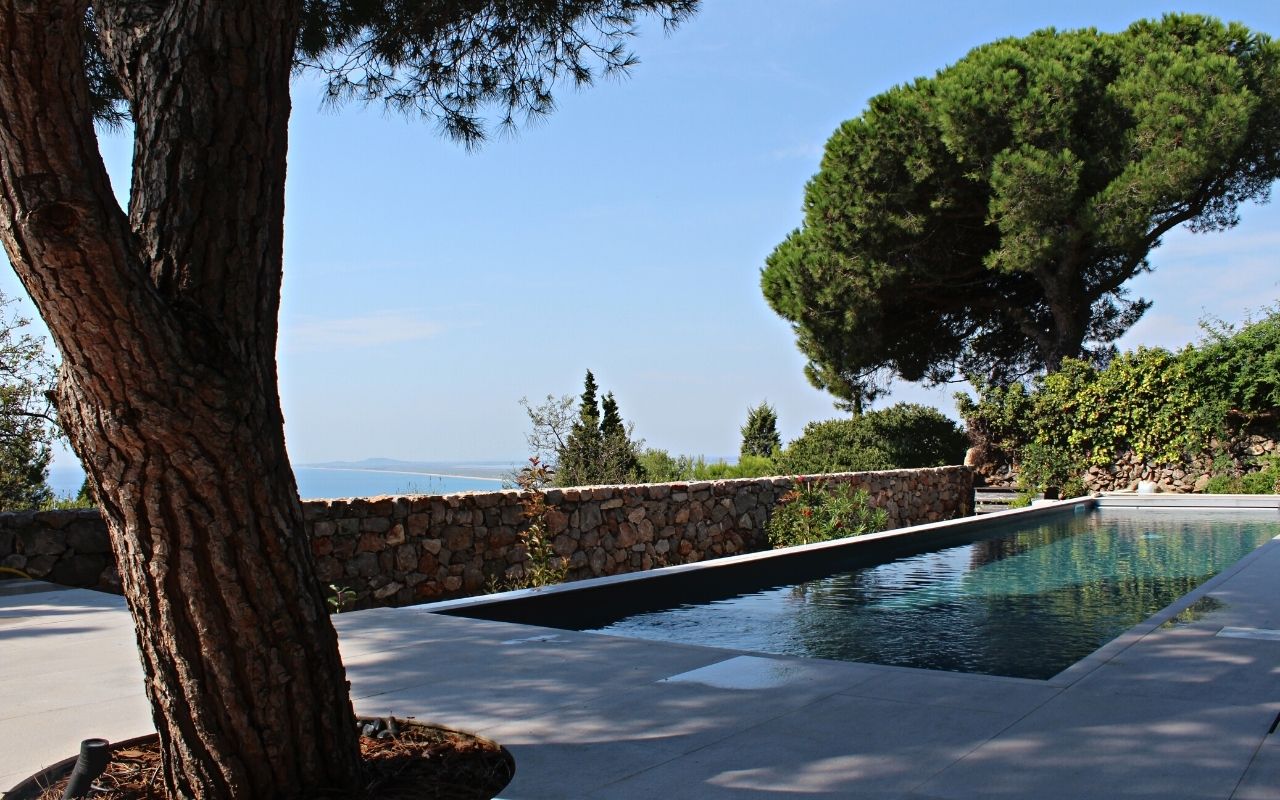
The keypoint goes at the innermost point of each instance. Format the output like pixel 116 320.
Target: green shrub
pixel 659 466
pixel 815 511
pixel 1223 484
pixel 1164 407
pixel 902 436
pixel 1263 481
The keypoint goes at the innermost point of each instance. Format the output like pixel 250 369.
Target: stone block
pixel 597 560
pixel 589 517
pixel 557 521
pixel 564 545
pixel 610 504
pixel 427 563
pixel 396 535
pixel 364 565
pixel 375 525
pixel 417 524
pixel 456 538
pixel 58 518
pixel 323 527
pixel 38 542
pixel 328 569
pixel 511 515
pixel 316 509
pixel 344 547
pixel 406 558
pixel 371 542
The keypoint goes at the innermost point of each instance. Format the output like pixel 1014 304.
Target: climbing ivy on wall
pixel 1164 407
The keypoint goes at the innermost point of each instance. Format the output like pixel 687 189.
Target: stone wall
pixel 1190 476
pixel 401 550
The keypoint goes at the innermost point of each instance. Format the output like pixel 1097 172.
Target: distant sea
pixel 315 483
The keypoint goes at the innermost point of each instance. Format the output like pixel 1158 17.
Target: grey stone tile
pixel 1261 780
pixel 520 661
pixel 1084 744
pixel 957 690
pixel 45 691
pixel 839 746
pixel 70 607
pixel 36 741
pixel 1192 663
pixel 15 586
pixel 612 728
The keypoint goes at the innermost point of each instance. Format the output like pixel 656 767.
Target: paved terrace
pixel 1163 712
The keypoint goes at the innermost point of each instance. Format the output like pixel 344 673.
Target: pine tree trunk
pixel 166 321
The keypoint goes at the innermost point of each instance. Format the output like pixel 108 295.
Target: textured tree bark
pixel 166 321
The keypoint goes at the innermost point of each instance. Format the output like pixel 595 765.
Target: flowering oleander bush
pixel 817 511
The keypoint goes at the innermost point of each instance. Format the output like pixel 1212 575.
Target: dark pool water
pixel 1025 602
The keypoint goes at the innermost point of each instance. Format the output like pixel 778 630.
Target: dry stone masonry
pixel 1191 476
pixel 402 550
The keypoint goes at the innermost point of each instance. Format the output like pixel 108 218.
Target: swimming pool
pixel 1024 599
pixel 1020 601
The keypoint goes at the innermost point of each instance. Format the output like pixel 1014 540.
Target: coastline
pixel 401 472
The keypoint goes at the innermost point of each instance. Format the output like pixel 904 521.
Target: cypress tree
pixel 760 434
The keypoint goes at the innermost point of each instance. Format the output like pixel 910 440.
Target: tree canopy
pixel 441 59
pixel 986 220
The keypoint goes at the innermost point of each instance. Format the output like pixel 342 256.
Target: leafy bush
pixel 1164 407
pixel 1264 481
pixel 659 466
pixel 1237 373
pixel 815 511
pixel 902 436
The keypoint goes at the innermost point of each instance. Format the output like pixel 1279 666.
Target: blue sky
pixel 428 289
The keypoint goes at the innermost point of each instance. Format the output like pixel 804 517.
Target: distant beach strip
pixel 324 483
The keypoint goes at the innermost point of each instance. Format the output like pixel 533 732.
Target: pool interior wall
pixel 594 604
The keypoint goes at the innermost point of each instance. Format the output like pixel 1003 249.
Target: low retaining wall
pixel 1236 457
pixel 401 550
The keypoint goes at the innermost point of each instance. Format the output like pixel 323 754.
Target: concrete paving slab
pixel 839 746
pixel 1086 744
pixel 24 614
pixel 646 727
pixel 956 690
pixel 517 660
pixel 1261 780
pixel 1194 664
pixel 16 586
pixel 35 741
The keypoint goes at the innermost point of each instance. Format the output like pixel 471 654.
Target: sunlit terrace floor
pixel 1163 712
